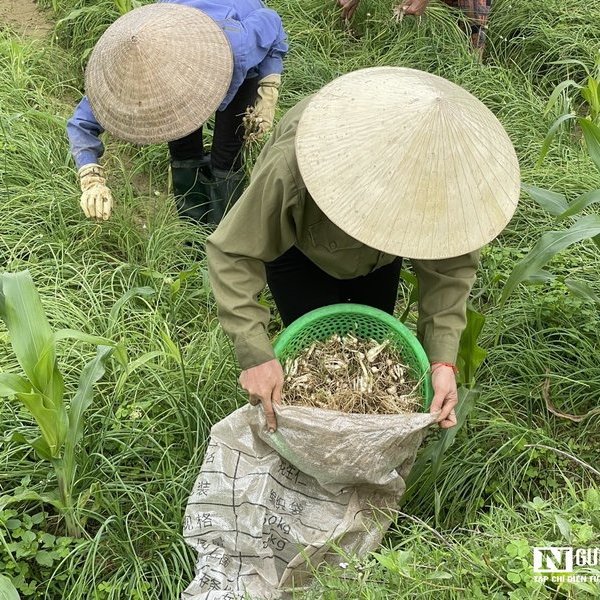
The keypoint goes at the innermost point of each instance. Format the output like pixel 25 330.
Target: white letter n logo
pixel 552 560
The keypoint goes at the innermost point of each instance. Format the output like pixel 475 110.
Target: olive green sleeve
pixel 444 288
pixel 260 227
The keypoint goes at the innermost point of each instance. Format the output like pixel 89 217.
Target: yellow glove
pixel 96 199
pixel 259 118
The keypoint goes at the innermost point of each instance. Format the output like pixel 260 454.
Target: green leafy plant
pixel 28 552
pixel 587 97
pixel 529 268
pixel 41 388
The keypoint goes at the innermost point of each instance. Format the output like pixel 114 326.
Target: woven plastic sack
pixel 266 506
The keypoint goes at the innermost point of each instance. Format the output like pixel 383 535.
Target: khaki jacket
pixel 275 213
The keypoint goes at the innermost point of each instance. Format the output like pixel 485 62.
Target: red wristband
pixel 444 364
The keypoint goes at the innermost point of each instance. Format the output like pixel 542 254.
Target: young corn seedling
pixel 588 99
pixel 41 387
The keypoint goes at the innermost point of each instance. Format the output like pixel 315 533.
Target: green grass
pixel 146 431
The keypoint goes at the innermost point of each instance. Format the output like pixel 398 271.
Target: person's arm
pixel 444 288
pixel 266 46
pixel 265 42
pixel 260 227
pixel 83 131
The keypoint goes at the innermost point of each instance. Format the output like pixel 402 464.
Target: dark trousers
pixel 228 133
pixel 299 286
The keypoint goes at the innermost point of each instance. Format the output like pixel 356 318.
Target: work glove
pixel 96 199
pixel 259 118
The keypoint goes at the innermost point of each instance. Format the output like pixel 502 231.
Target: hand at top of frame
pixel 410 7
pixel 348 7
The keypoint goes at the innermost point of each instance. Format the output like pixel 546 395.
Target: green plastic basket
pixel 364 322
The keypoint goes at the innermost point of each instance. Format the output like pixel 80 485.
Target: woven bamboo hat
pixel 408 163
pixel 158 72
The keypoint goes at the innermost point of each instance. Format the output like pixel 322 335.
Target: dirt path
pixel 25 17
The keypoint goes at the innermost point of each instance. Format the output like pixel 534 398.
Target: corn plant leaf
pixel 39 445
pixel 77 14
pixel 591 94
pixel 30 334
pixel 12 384
pixel 552 202
pixel 470 354
pixel 90 374
pixel 582 289
pixel 550 244
pixel 51 421
pixel 580 203
pixel 591 133
pixel 540 276
pixel 7 590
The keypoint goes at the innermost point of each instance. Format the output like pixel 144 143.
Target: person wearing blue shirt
pixel 229 62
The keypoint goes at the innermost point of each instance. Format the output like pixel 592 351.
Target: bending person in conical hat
pixel 379 165
pixel 158 73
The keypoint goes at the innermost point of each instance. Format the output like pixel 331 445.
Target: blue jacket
pixel 258 45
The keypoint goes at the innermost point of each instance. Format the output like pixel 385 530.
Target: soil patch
pixel 25 17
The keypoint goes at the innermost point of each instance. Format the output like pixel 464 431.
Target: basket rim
pixel 284 338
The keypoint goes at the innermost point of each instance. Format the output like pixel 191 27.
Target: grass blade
pixel 558 90
pixel 551 135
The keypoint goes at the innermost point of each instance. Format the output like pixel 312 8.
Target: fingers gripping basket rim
pixel 364 322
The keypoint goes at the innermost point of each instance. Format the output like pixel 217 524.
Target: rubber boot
pixel 192 183
pixel 226 189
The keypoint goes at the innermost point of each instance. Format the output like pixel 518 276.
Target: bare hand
pixel 263 384
pixel 445 396
pixel 414 7
pixel 348 8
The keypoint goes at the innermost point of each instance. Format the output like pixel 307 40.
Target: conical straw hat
pixel 408 163
pixel 158 72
